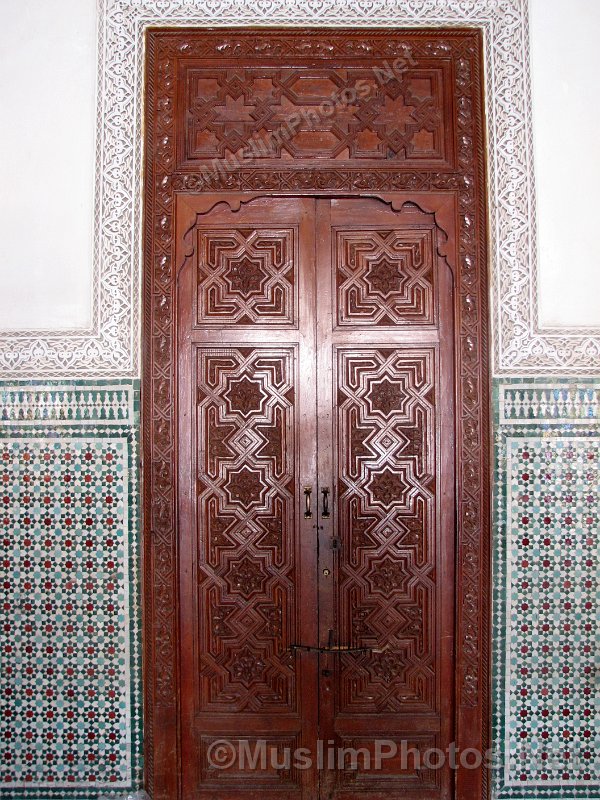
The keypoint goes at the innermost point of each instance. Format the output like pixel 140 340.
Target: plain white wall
pixel 47 86
pixel 565 65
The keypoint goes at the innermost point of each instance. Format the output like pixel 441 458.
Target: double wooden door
pixel 316 499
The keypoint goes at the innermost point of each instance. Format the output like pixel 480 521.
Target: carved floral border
pixel 111 346
pixel 465 184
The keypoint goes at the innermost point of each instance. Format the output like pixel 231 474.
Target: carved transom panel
pixel 341 114
pixel 384 277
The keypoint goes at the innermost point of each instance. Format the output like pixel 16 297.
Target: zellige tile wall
pixel 545 627
pixel 70 711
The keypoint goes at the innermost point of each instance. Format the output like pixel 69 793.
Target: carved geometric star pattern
pixel 244 492
pixel 245 395
pixel 384 276
pixel 245 276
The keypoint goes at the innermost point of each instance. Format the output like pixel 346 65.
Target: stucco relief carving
pixel 111 347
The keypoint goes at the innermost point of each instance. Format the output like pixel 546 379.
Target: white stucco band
pixel 111 346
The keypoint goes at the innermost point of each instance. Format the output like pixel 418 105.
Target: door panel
pixel 245 515
pixel 384 277
pixel 385 345
pixel 247 446
pixel 316 355
pixel 386 490
pixel 247 276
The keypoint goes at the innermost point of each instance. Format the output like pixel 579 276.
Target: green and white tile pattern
pixel 70 711
pixel 547 498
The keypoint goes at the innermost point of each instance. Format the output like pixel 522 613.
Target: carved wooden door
pixel 247 394
pixel 315 318
pixel 316 498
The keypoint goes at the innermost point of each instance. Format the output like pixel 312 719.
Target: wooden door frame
pixel 465 190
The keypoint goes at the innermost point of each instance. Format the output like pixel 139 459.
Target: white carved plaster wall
pixel 48 91
pixel 112 347
pixel 566 114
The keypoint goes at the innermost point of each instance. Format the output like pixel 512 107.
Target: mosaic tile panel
pixel 546 590
pixel 70 718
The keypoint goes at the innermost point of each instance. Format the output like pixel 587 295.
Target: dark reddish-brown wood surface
pixel 386 447
pixel 315 332
pixel 247 446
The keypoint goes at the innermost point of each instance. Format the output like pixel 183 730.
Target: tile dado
pixel 70 681
pixel 70 710
pixel 547 498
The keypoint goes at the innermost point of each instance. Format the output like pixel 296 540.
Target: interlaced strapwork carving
pixel 387 520
pixel 246 276
pixel 245 435
pixel 384 277
pixel 354 113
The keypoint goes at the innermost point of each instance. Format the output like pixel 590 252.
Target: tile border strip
pixel 66 404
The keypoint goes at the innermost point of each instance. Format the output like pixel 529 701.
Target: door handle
pixel 325 511
pixel 307 498
pixel 330 647
pixel 334 649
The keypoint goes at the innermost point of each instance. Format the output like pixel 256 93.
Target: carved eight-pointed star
pixel 389 666
pixel 384 276
pixel 390 575
pixel 246 276
pixel 388 488
pixel 246 666
pixel 246 487
pixel 246 576
pixel 386 396
pixel 244 396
